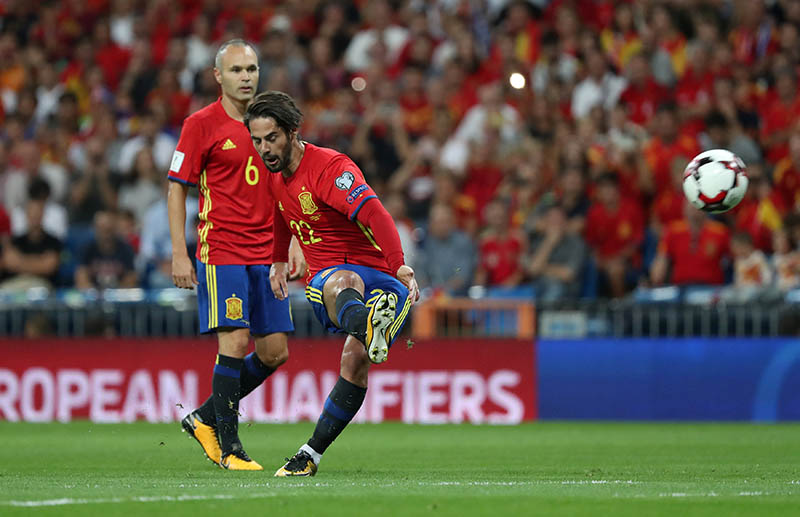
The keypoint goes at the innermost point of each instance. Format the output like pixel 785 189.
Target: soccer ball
pixel 715 181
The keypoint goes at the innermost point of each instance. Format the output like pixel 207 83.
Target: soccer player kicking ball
pixel 357 282
pixel 233 254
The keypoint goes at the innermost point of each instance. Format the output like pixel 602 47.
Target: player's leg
pixel 223 302
pixel 344 303
pixel 270 320
pixel 343 296
pixel 342 404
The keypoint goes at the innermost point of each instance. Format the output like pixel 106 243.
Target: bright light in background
pixel 359 83
pixel 517 80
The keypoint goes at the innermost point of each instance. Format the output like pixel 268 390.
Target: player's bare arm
pixel 297 262
pixel 279 279
pixel 183 273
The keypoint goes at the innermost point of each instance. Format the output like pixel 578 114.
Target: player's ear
pixel 217 75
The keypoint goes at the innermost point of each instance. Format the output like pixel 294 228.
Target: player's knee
pixel 344 279
pixel 275 358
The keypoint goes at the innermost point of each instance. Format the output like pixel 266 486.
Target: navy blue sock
pixel 252 375
pixel 340 407
pixel 226 386
pixel 352 313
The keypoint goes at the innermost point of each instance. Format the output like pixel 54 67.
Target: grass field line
pixel 68 501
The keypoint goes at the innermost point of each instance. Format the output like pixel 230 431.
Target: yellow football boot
pixel 300 464
pixel 380 319
pixel 239 460
pixel 206 435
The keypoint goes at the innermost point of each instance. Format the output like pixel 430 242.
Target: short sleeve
pixel 342 186
pixel 189 156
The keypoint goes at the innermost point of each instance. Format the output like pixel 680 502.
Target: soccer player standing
pixel 233 253
pixel 357 282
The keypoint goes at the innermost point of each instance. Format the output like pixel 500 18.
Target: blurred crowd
pixel 524 146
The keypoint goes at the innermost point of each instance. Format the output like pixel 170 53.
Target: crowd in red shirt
pixel 493 104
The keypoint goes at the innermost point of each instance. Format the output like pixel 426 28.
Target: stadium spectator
pixel 154 262
pixel 724 134
pixel 396 206
pixel 643 94
pixel 786 175
pixel 500 249
pixel 691 251
pixel 148 135
pixel 379 27
pixel 785 262
pixel 54 217
pixel 750 266
pixel 666 144
pixel 557 256
pixel 32 258
pixel 614 230
pixel 107 260
pixel 30 164
pixel 779 115
pixel 668 203
pixel 491 114
pixel 92 190
pixel 761 211
pixel 447 255
pixel 142 188
pixel 599 87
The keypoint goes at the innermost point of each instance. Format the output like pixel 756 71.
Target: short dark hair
pixel 716 119
pixel 38 189
pixel 276 105
pixel 608 178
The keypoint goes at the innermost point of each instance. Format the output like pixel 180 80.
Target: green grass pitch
pixel 393 469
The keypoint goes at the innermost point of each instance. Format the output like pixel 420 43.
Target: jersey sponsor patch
pixel 352 196
pixel 177 161
pixel 345 180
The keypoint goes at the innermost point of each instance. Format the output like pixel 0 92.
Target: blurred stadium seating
pixel 459 105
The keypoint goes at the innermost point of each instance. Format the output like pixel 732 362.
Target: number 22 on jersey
pixel 302 227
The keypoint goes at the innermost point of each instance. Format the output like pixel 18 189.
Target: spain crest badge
pixel 233 308
pixel 306 203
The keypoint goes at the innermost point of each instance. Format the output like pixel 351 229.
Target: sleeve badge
pixel 345 180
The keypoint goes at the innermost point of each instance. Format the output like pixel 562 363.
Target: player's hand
pixel 183 273
pixel 297 262
pixel 406 275
pixel 278 280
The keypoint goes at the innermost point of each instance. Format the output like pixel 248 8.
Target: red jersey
pixel 499 257
pixel 659 155
pixel 643 100
pixel 216 153
pixel 609 233
pixel 695 260
pixel 319 204
pixel 786 178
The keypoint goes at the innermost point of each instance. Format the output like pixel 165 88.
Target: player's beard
pixel 283 162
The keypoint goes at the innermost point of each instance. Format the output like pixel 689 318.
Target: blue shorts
pixel 375 283
pixel 240 296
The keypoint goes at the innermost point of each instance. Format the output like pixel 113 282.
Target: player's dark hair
pixel 276 105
